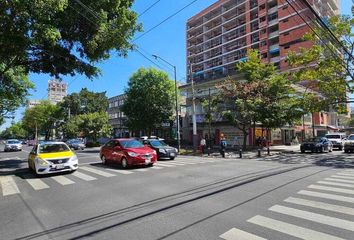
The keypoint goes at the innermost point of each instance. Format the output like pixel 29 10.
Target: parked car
pixel 52 157
pixel 127 152
pixel 76 144
pixel 13 145
pixel 337 139
pixel 316 145
pixel 164 151
pixel 349 144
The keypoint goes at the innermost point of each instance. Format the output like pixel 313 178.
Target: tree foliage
pixel 16 130
pixel 324 68
pixel 90 125
pixel 43 117
pixel 84 102
pixel 150 100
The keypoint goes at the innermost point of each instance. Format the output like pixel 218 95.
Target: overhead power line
pixel 148 8
pixel 163 21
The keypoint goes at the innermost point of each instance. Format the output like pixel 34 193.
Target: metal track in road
pixel 147 209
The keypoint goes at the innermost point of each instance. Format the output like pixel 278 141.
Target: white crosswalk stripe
pixel 321 205
pixel 339 180
pixel 332 189
pixel 140 170
pixel 315 217
pixel 345 174
pixel 62 180
pixel 8 186
pixel 36 184
pixel 165 165
pixel 237 234
pixel 336 184
pixel 174 163
pixel 327 196
pixel 125 172
pixel 156 167
pixel 290 229
pixel 98 172
pixel 83 176
pixel 342 177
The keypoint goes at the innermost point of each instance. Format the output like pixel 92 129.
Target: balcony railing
pixel 272 22
pixel 274 34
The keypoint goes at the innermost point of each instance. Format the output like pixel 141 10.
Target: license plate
pixel 59 166
pixel 147 161
pixel 172 154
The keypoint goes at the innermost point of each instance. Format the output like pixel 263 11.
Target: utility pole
pixel 209 110
pixel 313 124
pixel 194 119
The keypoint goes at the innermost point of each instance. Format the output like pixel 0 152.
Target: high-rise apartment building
pixel 220 35
pixel 57 90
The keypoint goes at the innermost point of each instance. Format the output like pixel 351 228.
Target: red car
pixel 127 152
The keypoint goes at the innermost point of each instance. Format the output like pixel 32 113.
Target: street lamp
pixel 176 99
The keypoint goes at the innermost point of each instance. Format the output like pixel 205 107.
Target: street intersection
pixel 282 196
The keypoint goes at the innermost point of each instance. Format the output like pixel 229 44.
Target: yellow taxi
pixel 52 157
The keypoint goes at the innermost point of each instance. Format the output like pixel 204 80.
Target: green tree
pixel 43 117
pixel 324 70
pixel 150 100
pixel 15 131
pixel 263 96
pixel 84 102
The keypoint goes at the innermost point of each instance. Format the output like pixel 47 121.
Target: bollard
pixel 240 153
pixel 209 151
pixel 268 150
pixel 259 152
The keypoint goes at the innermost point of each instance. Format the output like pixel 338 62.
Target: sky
pixel 167 41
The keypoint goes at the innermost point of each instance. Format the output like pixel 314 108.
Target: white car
pixel 349 144
pixel 13 145
pixel 52 157
pixel 337 139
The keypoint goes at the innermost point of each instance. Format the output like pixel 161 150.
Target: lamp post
pixel 176 99
pixel 194 118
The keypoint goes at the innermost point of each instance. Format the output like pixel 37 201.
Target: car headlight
pixel 74 158
pixel 176 150
pixel 133 154
pixel 162 150
pixel 42 162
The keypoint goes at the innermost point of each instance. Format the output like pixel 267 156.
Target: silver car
pixel 13 145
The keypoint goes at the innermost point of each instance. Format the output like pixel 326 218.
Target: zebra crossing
pixel 9 185
pixel 316 203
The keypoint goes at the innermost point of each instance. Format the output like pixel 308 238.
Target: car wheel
pixel 340 148
pixel 302 151
pixel 104 160
pixel 346 151
pixel 172 158
pixel 124 163
pixel 330 149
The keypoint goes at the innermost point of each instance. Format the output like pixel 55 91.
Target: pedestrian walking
pixel 203 144
pixel 223 144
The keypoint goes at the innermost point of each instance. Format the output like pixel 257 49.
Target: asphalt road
pixel 290 196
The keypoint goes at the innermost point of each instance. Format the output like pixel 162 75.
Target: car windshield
pixel 75 141
pixel 157 143
pixel 52 148
pixel 13 142
pixel 131 144
pixel 333 136
pixel 351 137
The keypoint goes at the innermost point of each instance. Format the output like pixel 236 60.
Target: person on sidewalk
pixel 203 145
pixel 223 144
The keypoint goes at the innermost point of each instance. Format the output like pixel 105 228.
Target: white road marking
pixel 8 186
pixel 327 196
pixel 332 189
pixel 98 172
pixel 321 205
pixel 345 174
pixel 314 217
pixel 342 177
pixel 237 234
pixel 83 176
pixel 62 180
pixel 140 170
pixel 174 163
pixel 37 184
pixel 165 165
pixel 125 172
pixel 338 180
pixel 290 229
pixel 156 167
pixel 336 184
pixel 25 151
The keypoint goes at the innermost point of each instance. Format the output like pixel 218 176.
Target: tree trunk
pixel 245 134
pixel 254 133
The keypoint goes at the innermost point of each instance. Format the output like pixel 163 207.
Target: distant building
pixel 116 116
pixel 33 103
pixel 57 90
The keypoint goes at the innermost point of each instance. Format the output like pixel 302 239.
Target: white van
pixel 337 139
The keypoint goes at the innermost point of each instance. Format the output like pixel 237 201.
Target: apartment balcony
pixel 263 24
pixel 274 34
pixel 275 59
pixel 274 48
pixel 273 10
pixel 273 22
